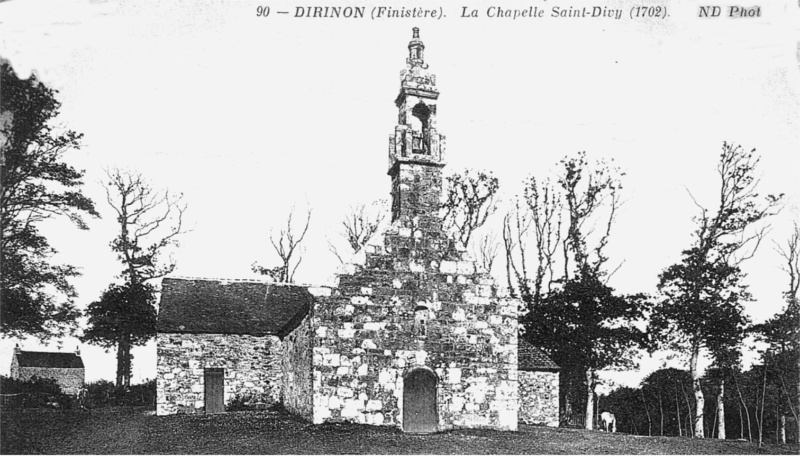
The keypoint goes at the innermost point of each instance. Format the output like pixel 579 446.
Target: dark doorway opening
pixel 215 390
pixel 420 414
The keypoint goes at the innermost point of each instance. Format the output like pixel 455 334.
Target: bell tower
pixel 416 150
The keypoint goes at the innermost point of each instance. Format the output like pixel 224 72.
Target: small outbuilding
pixel 65 368
pixel 221 341
pixel 538 386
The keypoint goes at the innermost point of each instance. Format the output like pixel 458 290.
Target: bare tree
pixel 516 224
pixel 150 222
pixel 586 191
pixel 485 251
pixel 359 225
pixel 287 245
pixel 543 211
pixel 469 201
pixel 546 208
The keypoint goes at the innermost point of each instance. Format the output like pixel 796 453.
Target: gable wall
pixel 367 338
pixel 538 397
pixel 69 379
pixel 251 363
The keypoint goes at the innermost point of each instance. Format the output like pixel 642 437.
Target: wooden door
pixel 215 390
pixel 420 414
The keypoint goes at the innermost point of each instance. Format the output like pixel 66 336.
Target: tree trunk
pixel 689 416
pixel 741 422
pixel 777 424
pixel 698 394
pixel 649 422
pixel 789 402
pixel 565 392
pixel 782 430
pixel 597 409
pixel 721 411
pixel 127 377
pixel 124 362
pixel 746 411
pixel 678 413
pixel 714 424
pixel 120 361
pixel 589 425
pixel 761 419
pixel 661 413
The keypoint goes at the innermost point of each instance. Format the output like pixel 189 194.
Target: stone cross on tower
pixel 416 150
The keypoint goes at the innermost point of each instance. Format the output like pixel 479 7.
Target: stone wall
pixel 296 379
pixel 70 380
pixel 538 395
pixel 416 191
pixel 416 302
pixel 252 369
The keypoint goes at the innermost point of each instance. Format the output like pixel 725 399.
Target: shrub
pixel 104 393
pixel 101 393
pixel 249 402
pixel 143 394
pixel 36 392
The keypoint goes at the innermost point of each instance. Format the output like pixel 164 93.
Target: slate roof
pixel 532 358
pixel 231 307
pixel 49 359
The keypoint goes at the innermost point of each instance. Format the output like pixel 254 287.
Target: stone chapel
pixel 411 335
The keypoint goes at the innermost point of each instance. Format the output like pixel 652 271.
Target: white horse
pixel 609 421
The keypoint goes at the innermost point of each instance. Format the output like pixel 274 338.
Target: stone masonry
pixel 538 397
pixel 411 335
pixel 380 323
pixel 296 371
pixel 70 380
pixel 416 301
pixel 252 369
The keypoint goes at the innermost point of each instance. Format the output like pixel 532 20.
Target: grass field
pixel 137 431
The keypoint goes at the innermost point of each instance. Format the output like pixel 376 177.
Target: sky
pixel 252 116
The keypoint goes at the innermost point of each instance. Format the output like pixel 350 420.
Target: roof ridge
pixel 49 352
pixel 216 279
pixel 228 279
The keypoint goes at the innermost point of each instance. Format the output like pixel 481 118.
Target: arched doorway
pixel 419 402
